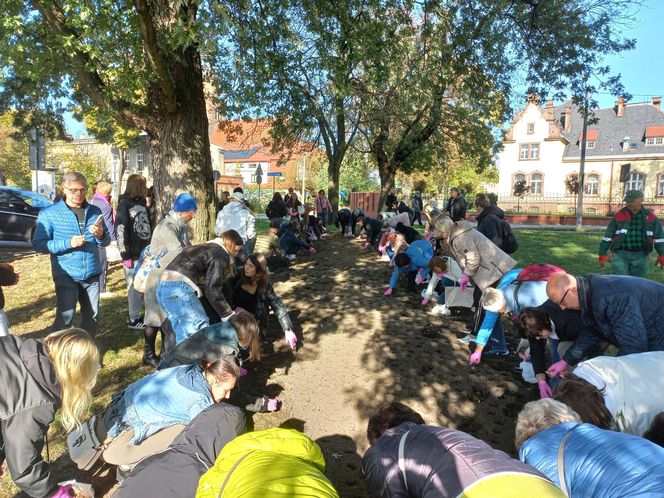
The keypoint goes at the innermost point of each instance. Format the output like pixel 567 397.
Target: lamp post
pixel 582 164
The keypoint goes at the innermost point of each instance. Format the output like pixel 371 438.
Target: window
pixel 139 162
pixel 519 178
pixel 529 152
pixel 632 146
pixel 536 183
pixel 634 182
pixel 590 144
pixel 654 141
pixel 531 128
pixel 253 178
pixel 592 185
pixel 660 185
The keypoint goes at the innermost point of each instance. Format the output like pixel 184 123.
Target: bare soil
pixel 360 350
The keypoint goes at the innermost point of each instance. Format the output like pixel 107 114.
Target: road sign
pixel 276 173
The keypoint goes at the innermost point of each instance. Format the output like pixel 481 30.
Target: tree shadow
pixel 343 465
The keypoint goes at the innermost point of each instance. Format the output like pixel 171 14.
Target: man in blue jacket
pixel 71 231
pixel 625 311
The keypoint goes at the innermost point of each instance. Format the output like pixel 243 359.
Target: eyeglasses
pixel 564 296
pixel 79 190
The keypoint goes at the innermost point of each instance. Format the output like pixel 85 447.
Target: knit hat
pixel 184 202
pixel 633 195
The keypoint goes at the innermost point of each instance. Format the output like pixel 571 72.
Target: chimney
pixel 620 107
pixel 549 103
pixel 567 125
pixel 657 103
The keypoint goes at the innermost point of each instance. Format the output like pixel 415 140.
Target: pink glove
pixel 366 244
pixel 424 302
pixel 63 492
pixel 420 277
pixel 239 310
pixel 463 282
pixel 388 292
pixel 291 339
pixel 273 405
pixel 557 368
pixel 243 372
pixel 476 357
pixel 128 263
pixel 544 389
pixel 312 250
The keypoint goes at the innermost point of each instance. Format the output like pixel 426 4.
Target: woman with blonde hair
pixel 196 272
pixel 40 376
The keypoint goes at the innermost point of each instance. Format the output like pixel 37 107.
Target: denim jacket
pixel 157 401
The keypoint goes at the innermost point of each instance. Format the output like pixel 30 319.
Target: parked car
pixel 18 213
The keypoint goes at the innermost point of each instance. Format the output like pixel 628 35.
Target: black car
pixel 18 213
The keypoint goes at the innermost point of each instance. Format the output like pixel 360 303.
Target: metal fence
pixel 592 205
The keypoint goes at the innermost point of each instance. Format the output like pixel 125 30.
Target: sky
pixel 642 69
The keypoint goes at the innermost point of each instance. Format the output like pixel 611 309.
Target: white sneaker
pixel 385 258
pixel 105 295
pixel 440 309
pixel 467 338
pixel 323 235
pixel 291 257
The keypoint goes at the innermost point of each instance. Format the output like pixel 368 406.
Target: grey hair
pixel 73 176
pixel 539 415
pixel 493 300
pixel 442 227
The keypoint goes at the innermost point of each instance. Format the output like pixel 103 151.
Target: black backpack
pixel 509 243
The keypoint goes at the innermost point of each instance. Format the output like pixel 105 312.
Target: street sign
pixel 37 149
pixel 259 175
pixel 276 173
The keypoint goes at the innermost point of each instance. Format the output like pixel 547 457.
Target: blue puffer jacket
pixel 598 462
pixel 420 252
pixel 56 225
pixel 626 311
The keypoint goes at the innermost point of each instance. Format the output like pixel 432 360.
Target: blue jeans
pixel 497 338
pixel 183 308
pixel 67 293
pixel 323 218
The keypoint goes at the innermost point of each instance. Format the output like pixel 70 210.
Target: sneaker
pixel 385 258
pixel 136 324
pixel 498 353
pixel 105 295
pixel 323 235
pixel 440 309
pixel 291 257
pixel 467 338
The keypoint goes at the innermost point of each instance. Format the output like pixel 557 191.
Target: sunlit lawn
pixel 30 306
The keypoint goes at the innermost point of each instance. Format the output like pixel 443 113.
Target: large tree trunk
pixel 387 171
pixel 180 147
pixel 333 172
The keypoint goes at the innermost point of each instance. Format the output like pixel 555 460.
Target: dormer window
pixel 654 135
pixel 590 144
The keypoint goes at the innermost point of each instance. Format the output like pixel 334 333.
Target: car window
pixel 6 198
pixel 33 199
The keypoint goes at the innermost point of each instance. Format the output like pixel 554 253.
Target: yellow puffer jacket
pixel 273 463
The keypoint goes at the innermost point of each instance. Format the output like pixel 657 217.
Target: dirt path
pixel 361 350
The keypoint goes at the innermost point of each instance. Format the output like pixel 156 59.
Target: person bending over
pixel 414 262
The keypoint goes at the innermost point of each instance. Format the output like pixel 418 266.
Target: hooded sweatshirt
pixel 236 216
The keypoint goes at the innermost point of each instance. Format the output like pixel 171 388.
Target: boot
pixel 150 358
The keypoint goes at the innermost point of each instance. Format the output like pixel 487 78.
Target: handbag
pixel 84 444
pixel 143 266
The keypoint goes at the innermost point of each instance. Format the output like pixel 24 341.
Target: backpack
pixel 85 445
pixel 537 271
pixel 509 243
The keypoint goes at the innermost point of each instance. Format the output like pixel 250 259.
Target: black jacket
pixel 276 209
pixel 264 302
pixel 390 202
pixel 568 325
pixel 489 223
pixel 372 226
pixel 29 397
pixel 132 226
pixel 175 472
pixel 416 202
pixel 409 233
pixel 342 218
pixel 456 207
pixel 7 277
pixel 403 208
pixel 206 265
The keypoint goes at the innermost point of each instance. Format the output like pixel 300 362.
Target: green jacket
pixel 653 234
pixel 275 463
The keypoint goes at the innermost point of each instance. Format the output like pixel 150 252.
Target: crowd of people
pixel 598 429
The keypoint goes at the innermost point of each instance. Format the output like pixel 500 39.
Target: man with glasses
pixel 71 231
pixel 623 310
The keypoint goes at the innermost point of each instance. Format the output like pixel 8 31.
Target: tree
pixel 519 190
pixel 139 63
pixel 14 169
pixel 295 61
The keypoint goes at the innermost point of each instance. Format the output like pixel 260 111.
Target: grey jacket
pixel 438 463
pixel 29 397
pixel 175 471
pixel 170 235
pixel 480 259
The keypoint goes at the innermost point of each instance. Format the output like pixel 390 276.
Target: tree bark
pixel 387 171
pixel 333 174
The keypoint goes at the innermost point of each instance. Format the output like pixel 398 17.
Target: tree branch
pixel 90 81
pixel 152 51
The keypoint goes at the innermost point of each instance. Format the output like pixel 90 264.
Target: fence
pixel 592 205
